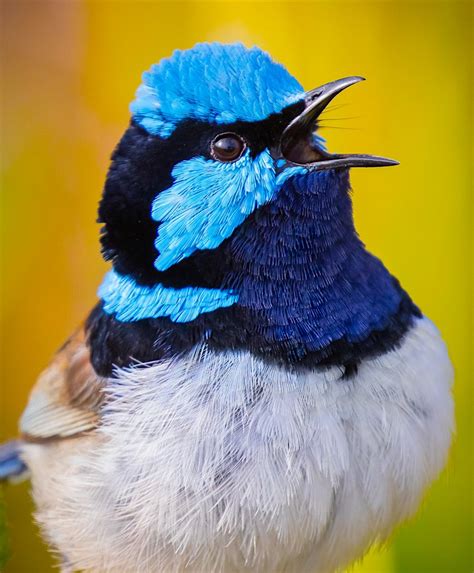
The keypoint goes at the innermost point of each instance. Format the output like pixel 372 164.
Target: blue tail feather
pixel 12 466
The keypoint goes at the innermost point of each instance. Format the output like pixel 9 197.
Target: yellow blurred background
pixel 69 71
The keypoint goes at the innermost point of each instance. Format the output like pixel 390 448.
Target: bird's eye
pixel 227 147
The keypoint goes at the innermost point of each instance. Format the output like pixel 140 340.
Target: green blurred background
pixel 69 70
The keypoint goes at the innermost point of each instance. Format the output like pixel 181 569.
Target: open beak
pixel 299 146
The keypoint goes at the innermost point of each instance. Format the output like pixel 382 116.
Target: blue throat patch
pixel 205 83
pixel 302 272
pixel 298 279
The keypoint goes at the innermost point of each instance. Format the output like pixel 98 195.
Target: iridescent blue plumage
pixel 209 200
pixel 215 83
pixel 301 269
pixel 130 302
pixel 256 253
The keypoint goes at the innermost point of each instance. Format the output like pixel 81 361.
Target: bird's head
pixel 217 134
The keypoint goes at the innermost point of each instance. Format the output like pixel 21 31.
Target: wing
pixel 66 399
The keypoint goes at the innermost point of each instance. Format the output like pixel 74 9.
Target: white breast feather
pixel 220 462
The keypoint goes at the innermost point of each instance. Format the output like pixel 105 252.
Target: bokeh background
pixel 69 70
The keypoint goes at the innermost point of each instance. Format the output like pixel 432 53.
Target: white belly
pixel 219 462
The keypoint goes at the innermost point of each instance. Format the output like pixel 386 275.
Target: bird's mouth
pixel 299 146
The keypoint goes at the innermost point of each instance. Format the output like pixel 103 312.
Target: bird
pixel 254 391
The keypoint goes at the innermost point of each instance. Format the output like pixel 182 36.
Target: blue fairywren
pixel 254 391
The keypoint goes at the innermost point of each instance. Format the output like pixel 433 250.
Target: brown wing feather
pixel 66 399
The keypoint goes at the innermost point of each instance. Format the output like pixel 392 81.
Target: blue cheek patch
pixel 208 201
pixel 130 302
pixel 206 83
pixel 203 207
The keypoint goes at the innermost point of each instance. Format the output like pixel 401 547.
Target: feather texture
pixel 67 396
pixel 207 201
pixel 222 462
pixel 130 301
pixel 205 83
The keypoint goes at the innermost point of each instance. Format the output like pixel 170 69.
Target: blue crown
pixel 215 83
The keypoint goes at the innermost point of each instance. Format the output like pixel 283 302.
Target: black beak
pixel 299 146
